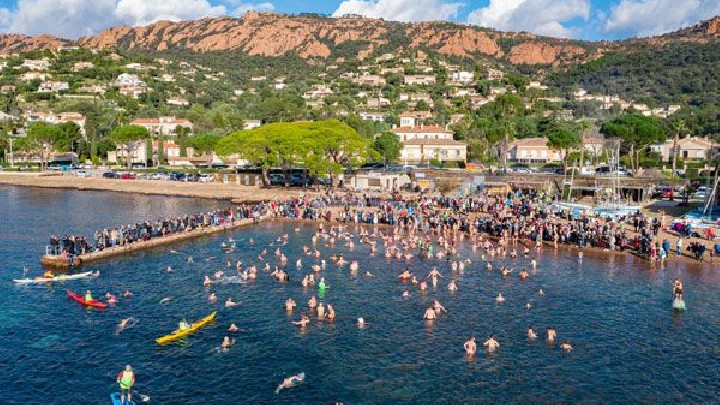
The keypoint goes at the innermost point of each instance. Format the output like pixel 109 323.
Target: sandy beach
pixel 215 190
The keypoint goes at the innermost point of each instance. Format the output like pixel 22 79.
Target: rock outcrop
pixel 311 36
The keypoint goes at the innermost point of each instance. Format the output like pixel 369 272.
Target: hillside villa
pixel 162 125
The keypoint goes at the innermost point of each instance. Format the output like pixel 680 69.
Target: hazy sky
pixel 582 19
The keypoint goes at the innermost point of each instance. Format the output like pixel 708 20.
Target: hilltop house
pixel 532 150
pixel 163 125
pixel 689 148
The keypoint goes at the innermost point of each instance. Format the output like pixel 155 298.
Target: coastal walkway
pixel 60 261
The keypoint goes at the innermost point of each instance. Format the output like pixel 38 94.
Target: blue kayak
pixel 115 398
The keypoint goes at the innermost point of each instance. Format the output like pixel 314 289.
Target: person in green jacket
pixel 126 379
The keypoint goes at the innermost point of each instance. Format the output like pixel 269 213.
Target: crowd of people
pixel 513 217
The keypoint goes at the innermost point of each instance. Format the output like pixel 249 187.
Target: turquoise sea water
pixel 629 344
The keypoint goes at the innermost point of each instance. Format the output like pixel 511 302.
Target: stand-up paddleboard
pixel 115 399
pixel 679 304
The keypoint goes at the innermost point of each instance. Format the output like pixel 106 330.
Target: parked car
pixel 297 180
pixel 277 180
pixel 522 170
pixel 206 178
pixel 82 173
pixel 192 177
pixel 128 176
pixel 700 194
pixel 110 175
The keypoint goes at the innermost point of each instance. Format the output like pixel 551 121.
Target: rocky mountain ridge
pixel 310 36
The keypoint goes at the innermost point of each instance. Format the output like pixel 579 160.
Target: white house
pixel 419 80
pixel 129 80
pixel 42 64
pixel 462 77
pixel 53 87
pixel 372 116
pixel 177 101
pixel 251 124
pixel 56 118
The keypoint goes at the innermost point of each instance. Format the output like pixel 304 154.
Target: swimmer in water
pixel 524 274
pixel 452 285
pixel 212 298
pixel 127 294
pixel 207 282
pixel 368 274
pixel 551 334
pixel 470 346
pixel 406 294
pixel 360 323
pixel 303 322
pixel 500 298
pixel 122 325
pixel 230 303
pixel 312 303
pixel 580 257
pixel 491 343
pixel 290 304
pixel 165 300
pixel 290 382
pixel 438 307
pixel 505 271
pixel 531 334
pixel 169 269
pixel 565 345
pixel 540 292
pixel 533 263
pixel 528 306
pixel 190 259
pixel 429 314
pixel 226 343
pixel 233 328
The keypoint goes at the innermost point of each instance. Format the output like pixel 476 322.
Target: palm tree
pixel 679 127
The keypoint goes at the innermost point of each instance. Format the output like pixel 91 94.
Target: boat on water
pixel 177 334
pixel 81 300
pixel 60 278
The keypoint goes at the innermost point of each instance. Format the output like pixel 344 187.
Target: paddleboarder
pixel 126 379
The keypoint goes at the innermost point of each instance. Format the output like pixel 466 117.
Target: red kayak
pixel 79 298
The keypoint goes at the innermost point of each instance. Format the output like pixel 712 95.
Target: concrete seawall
pixel 59 261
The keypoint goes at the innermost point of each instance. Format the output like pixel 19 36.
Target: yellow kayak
pixel 182 333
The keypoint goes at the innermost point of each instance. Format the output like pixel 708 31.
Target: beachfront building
pixel 532 150
pixel 163 125
pixel 688 148
pixel 423 143
pixel 171 150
